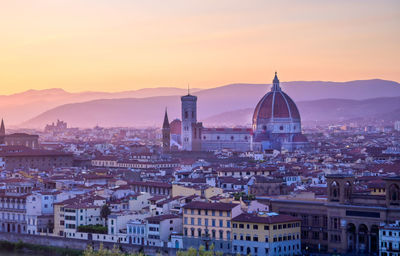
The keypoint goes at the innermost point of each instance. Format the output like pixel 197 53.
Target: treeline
pixel 40 249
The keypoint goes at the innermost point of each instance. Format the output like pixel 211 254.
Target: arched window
pixel 334 191
pixel 347 190
pixel 394 194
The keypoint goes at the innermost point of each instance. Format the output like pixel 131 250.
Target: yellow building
pixel 266 234
pixel 207 223
pixel 199 190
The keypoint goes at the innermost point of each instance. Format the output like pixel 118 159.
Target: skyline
pixel 128 45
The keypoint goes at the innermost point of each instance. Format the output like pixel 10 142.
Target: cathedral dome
pixel 274 106
pixel 176 126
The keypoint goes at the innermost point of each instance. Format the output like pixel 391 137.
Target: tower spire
pixel 2 128
pixel 188 89
pixel 166 122
pixel 275 83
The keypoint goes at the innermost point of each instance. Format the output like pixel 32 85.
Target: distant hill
pixel 213 111
pixel 19 107
pixel 326 110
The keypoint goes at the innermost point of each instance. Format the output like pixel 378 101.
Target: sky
pixel 118 45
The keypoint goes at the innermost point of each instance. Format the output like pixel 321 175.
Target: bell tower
pixel 189 120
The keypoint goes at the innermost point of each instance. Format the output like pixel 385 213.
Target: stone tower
pixel 340 187
pixel 189 120
pixel 2 132
pixel 166 133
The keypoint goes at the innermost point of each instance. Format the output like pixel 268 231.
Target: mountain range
pixel 19 107
pixel 225 105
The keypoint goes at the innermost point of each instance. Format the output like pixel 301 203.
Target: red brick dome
pixel 275 105
pixel 176 126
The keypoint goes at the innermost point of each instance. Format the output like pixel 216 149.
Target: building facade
pixel 266 234
pixel 22 139
pixel 22 158
pixel 209 223
pixel 389 239
pixel 345 221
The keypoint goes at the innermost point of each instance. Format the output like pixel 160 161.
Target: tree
pixel 200 252
pixel 106 252
pixel 105 212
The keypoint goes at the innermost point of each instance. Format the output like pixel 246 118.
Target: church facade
pixel 276 124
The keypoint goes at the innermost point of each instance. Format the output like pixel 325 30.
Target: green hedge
pixel 97 229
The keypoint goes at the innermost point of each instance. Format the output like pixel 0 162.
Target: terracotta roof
pixel 210 206
pixel 253 218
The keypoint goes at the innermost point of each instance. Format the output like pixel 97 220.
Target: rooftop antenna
pixel 188 89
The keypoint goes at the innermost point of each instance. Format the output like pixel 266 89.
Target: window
pixel 199 221
pixel 221 223
pixel 255 227
pixel 266 227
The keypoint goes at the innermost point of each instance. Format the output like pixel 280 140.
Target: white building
pixel 397 126
pixel 136 231
pixel 139 201
pixel 159 229
pixel 40 211
pixel 389 240
pixel 117 222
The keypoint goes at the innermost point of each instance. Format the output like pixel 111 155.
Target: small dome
pixel 176 126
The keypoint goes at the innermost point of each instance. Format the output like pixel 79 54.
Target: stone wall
pixel 82 244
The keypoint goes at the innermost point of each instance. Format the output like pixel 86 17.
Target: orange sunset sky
pixel 115 45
